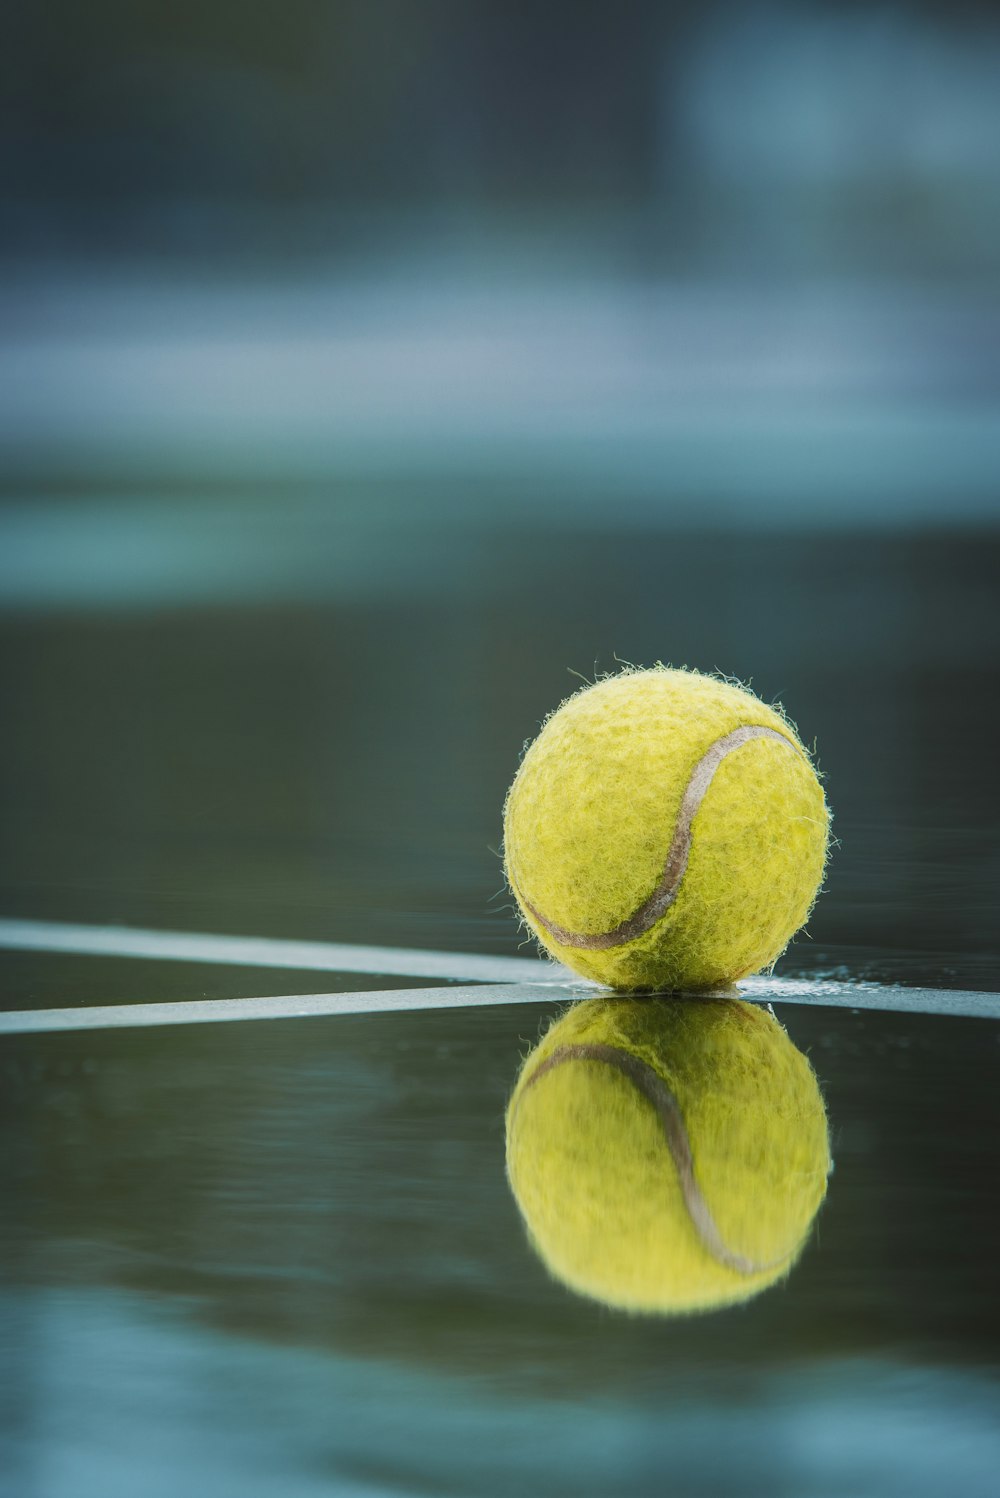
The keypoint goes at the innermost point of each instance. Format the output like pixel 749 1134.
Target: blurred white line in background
pixel 868 399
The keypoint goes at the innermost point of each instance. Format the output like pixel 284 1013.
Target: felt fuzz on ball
pixel 665 830
pixel 667 1156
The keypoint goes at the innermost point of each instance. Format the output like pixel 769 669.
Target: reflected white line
pixel 263 951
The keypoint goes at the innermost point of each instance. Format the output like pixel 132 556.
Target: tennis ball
pixel 667 1155
pixel 665 830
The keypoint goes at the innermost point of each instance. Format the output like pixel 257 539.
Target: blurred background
pixel 367 369
pixel 370 371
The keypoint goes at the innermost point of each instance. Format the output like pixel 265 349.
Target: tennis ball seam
pixel 671 1119
pixel 663 896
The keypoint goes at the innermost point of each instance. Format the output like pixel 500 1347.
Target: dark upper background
pixel 367 367
pixel 862 134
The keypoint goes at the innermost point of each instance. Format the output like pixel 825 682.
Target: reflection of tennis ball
pixel 665 830
pixel 670 1155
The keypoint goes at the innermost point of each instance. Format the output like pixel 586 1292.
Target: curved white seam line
pixel 665 893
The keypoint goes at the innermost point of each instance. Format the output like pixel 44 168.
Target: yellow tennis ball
pixel 667 1155
pixel 665 830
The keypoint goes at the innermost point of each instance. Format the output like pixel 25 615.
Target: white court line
pixel 952 1003
pixel 511 981
pixel 396 1000
pixel 290 1006
pixel 264 951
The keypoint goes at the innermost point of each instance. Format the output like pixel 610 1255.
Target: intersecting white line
pixel 307 1006
pixel 265 951
pixel 477 981
pixel 285 1006
pixel 952 1003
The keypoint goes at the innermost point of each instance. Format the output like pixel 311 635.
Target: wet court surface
pixel 282 1257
